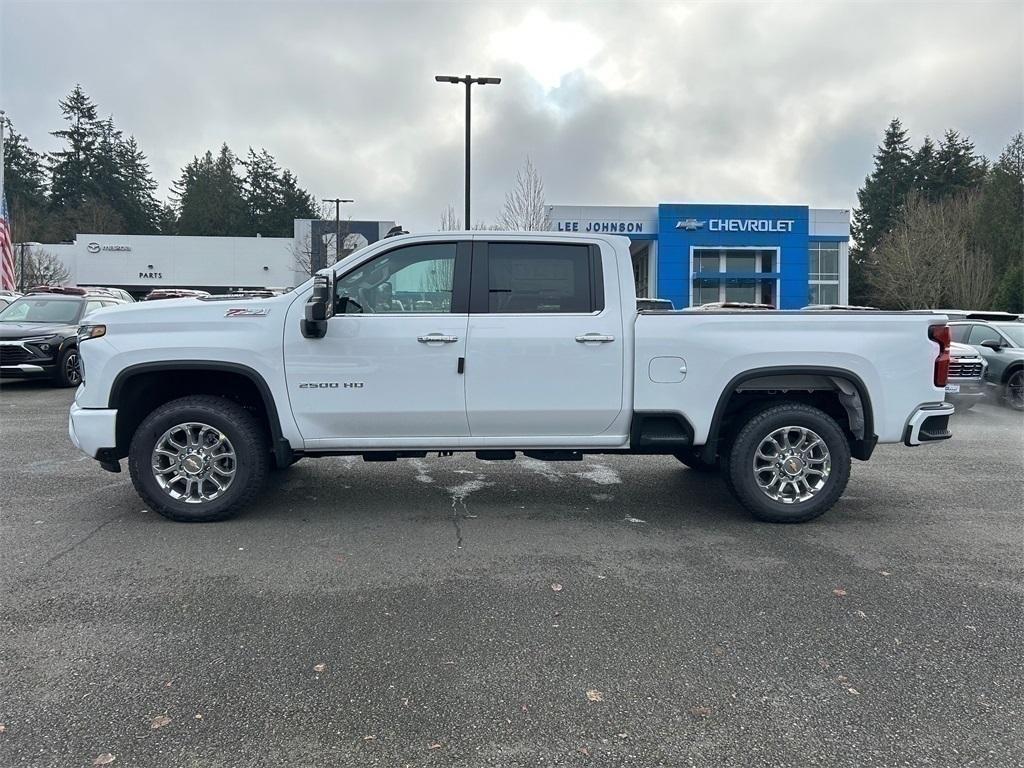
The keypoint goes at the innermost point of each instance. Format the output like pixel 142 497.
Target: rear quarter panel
pixel 890 352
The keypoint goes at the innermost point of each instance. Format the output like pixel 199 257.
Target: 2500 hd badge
pixel 330 385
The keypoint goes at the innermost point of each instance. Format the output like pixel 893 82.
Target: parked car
pixel 174 293
pixel 118 292
pixel 531 344
pixel 39 333
pixel 966 385
pixel 1001 343
pixel 838 307
pixel 7 298
pixel 716 306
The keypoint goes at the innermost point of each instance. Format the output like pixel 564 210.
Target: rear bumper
pixel 929 423
pixel 93 430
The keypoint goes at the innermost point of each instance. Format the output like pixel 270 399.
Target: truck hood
pixel 191 314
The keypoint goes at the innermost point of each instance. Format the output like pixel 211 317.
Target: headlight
pixel 40 339
pixel 91 332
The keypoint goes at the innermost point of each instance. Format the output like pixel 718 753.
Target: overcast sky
pixel 617 104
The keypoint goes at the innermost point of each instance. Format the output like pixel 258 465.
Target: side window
pixel 413 280
pixel 958 333
pixel 92 306
pixel 980 333
pixel 540 278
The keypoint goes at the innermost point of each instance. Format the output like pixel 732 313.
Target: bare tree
pixel 450 221
pixel 40 268
pixel 524 205
pixel 929 259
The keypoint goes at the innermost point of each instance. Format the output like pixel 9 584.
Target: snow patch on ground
pixel 539 467
pixel 601 474
pixel 421 470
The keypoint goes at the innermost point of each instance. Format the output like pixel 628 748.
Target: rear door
pixel 544 355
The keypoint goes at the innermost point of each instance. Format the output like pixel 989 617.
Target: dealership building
pixel 140 263
pixel 785 255
pixel 693 254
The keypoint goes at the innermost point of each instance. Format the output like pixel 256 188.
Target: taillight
pixel 940 335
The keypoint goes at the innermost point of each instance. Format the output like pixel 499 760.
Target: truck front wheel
pixel 198 458
pixel 790 463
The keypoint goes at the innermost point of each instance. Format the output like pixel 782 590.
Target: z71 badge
pixel 247 312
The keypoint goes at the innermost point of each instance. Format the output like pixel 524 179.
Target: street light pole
pixel 469 80
pixel 337 223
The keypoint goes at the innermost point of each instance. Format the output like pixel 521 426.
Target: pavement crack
pixel 84 539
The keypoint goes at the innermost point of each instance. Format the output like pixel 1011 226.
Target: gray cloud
pixel 615 103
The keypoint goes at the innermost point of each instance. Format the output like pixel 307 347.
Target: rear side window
pixel 537 278
pixel 958 333
pixel 980 333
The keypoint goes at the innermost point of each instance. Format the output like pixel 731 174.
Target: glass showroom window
pixel 823 273
pixel 733 271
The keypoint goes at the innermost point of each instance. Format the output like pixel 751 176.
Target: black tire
pixel 241 428
pixel 743 480
pixel 1013 390
pixel 69 372
pixel 693 460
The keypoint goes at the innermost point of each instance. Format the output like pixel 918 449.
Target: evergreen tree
pixel 71 171
pixel 262 191
pixel 926 170
pixel 24 187
pixel 296 203
pixel 1000 229
pixel 142 212
pixel 957 167
pixel 881 197
pixel 210 198
pixel 880 201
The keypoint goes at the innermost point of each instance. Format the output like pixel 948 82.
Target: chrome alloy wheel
pixel 71 370
pixel 194 462
pixel 791 465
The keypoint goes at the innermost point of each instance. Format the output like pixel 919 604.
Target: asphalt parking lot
pixel 619 611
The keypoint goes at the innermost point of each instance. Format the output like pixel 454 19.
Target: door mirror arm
pixel 319 306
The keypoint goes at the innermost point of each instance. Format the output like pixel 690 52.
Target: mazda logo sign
pixel 93 247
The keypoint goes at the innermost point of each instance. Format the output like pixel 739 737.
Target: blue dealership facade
pixel 785 255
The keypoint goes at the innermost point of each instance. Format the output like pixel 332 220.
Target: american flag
pixel 6 249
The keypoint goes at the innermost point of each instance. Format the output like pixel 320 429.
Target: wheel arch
pixel 158 382
pixel 852 396
pixel 1011 369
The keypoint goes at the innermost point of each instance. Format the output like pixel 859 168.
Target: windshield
pixel 41 311
pixel 1015 331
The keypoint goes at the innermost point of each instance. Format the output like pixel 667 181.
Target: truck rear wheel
pixel 790 463
pixel 198 458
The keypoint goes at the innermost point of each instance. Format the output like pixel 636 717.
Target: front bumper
pixel 26 370
pixel 929 423
pixel 93 430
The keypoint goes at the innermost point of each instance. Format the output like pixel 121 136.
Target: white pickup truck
pixel 498 343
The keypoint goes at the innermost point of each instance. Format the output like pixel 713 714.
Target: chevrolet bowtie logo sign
pixel 690 225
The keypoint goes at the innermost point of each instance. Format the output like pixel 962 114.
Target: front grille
pixel 969 369
pixel 12 355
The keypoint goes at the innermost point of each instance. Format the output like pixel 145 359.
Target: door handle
pixel 586 338
pixel 436 338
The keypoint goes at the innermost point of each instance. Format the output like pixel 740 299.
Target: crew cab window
pixel 980 333
pixel 958 333
pixel 413 280
pixel 540 278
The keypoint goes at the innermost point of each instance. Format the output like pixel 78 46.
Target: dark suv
pixel 39 333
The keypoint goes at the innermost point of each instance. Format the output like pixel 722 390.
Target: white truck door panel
pixel 532 368
pixel 389 366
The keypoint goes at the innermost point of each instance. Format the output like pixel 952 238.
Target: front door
pixel 389 368
pixel 544 357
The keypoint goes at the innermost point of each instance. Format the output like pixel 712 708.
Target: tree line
pixel 939 226
pixel 99 181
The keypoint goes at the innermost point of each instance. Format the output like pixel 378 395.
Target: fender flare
pixel 860 448
pixel 282 449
